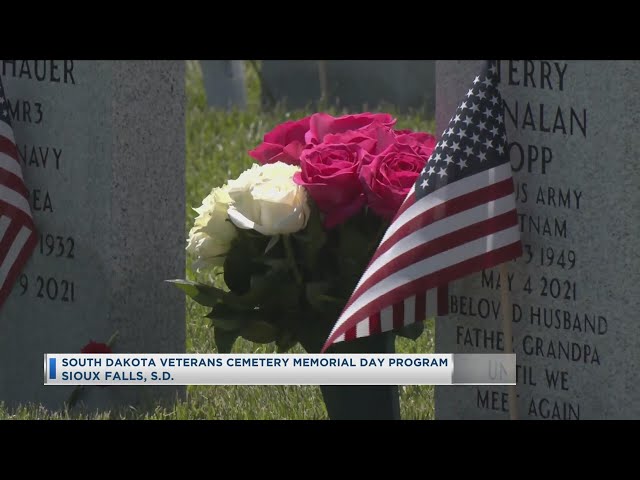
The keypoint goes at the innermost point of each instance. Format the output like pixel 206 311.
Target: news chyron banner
pixel 279 369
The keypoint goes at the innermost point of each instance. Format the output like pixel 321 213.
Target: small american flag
pixel 18 236
pixel 459 218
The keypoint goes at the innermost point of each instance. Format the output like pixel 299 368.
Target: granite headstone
pixel 224 83
pixel 353 84
pixel 296 83
pixel 573 144
pixel 405 84
pixel 102 148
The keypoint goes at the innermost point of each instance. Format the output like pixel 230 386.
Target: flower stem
pixel 113 338
pixel 291 258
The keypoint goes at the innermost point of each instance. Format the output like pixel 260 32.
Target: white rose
pixel 266 199
pixel 212 233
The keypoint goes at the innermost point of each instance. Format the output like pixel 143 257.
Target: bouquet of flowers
pixel 293 234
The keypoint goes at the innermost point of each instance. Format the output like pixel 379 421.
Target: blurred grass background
pixel 217 142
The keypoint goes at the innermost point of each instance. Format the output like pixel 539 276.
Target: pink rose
pixel 422 143
pixel 329 172
pixel 283 144
pixel 388 177
pixel 373 138
pixel 323 124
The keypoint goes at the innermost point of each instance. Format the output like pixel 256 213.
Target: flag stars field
pixel 453 223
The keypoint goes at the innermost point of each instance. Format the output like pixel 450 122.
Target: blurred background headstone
pixel 352 84
pixel 294 82
pixel 224 83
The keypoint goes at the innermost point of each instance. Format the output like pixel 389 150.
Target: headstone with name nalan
pixel 572 129
pixel 102 149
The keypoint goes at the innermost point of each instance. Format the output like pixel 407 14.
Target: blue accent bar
pixel 52 368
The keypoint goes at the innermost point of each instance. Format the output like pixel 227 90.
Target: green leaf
pixel 275 290
pixel 411 331
pixel 224 340
pixel 228 323
pixel 240 265
pixel 317 296
pixel 203 294
pixel 274 263
pixel 233 317
pixel 259 331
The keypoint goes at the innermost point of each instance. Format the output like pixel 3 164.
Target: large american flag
pixel 459 218
pixel 18 235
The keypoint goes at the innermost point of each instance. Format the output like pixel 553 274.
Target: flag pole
pixel 507 313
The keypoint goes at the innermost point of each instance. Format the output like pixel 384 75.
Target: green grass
pixel 217 143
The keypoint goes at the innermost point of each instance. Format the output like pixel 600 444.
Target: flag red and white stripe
pixel 455 221
pixel 18 236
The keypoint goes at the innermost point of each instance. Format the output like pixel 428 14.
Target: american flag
pixel 18 235
pixel 459 218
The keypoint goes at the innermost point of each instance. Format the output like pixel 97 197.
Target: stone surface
pixel 354 84
pixel 365 84
pixel 102 145
pixel 294 82
pixel 224 83
pixel 572 129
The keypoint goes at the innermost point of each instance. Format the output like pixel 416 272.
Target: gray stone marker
pixel 353 83
pixel 404 83
pixel 573 137
pixel 224 83
pixel 295 82
pixel 102 146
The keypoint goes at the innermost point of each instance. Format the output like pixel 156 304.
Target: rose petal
pixel 265 151
pixel 322 124
pixel 239 220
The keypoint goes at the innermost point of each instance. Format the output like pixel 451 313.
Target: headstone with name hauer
pixel 572 132
pixel 102 149
pixel 224 83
